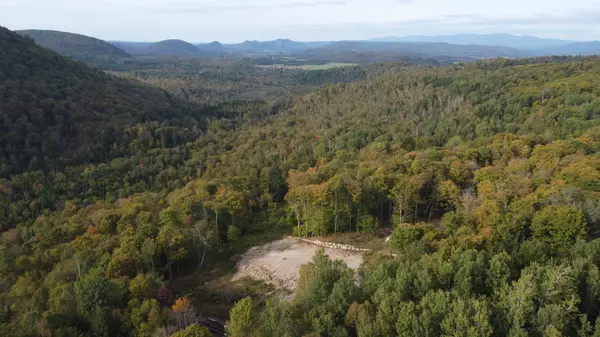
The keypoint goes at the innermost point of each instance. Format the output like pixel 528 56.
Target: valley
pixel 149 188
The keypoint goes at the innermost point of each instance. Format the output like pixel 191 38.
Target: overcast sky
pixel 305 20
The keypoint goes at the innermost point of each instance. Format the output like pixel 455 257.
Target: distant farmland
pixel 311 66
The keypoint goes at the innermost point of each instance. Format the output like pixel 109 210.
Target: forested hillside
pixel 174 47
pixel 216 81
pixel 57 115
pixel 57 112
pixel 79 47
pixel 488 174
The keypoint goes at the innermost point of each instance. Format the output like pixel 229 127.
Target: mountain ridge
pixel 77 46
pixel 67 110
pixel 578 48
pixel 500 39
pixel 172 47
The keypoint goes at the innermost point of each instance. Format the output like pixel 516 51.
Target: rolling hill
pixel 212 49
pixel 212 46
pixel 367 51
pixel 56 112
pixel 279 46
pixel 507 40
pixel 172 47
pixel 133 48
pixel 79 47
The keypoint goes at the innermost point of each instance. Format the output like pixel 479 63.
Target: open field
pixel 312 66
pixel 278 263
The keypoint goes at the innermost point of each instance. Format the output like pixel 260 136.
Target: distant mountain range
pixel 423 49
pixel 578 48
pixel 505 40
pixel 431 49
pixel 172 47
pixel 78 47
pixel 537 46
pixel 475 45
pixel 276 46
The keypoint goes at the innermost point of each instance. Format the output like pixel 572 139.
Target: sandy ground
pixel 279 262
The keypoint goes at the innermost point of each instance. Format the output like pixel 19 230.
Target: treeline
pixel 215 81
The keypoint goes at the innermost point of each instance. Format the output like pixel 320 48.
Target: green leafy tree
pixel 242 318
pixel 559 226
pixel 193 330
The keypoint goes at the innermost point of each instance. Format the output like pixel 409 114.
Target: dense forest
pixel 215 81
pixel 118 207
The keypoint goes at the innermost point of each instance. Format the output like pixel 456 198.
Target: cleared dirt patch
pixel 279 262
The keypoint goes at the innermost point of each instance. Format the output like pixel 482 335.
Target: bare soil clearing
pixel 279 262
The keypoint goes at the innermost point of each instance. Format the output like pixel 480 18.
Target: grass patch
pixel 212 290
pixel 311 66
pixel 216 298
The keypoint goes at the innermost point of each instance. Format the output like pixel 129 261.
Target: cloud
pixel 198 8
pixel 577 25
pixel 238 20
pixel 310 4
pixel 573 18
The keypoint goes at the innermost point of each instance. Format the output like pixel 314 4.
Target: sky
pixel 303 20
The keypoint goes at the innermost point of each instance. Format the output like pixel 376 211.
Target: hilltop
pixel 79 47
pixel 172 47
pixel 56 112
pixel 212 46
pixel 279 46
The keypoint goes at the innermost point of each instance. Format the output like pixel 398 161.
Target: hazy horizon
pixel 316 20
pixel 286 38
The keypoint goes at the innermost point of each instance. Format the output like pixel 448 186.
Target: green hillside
pixel 79 47
pixel 124 210
pixel 57 114
pixel 172 47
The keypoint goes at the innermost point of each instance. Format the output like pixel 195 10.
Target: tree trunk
pixel 320 222
pixel 416 211
pixel 391 211
pixel 430 208
pixel 298 218
pixel 202 260
pixel 78 267
pixel 336 211
pixel 350 216
pixel 402 212
pixel 305 220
